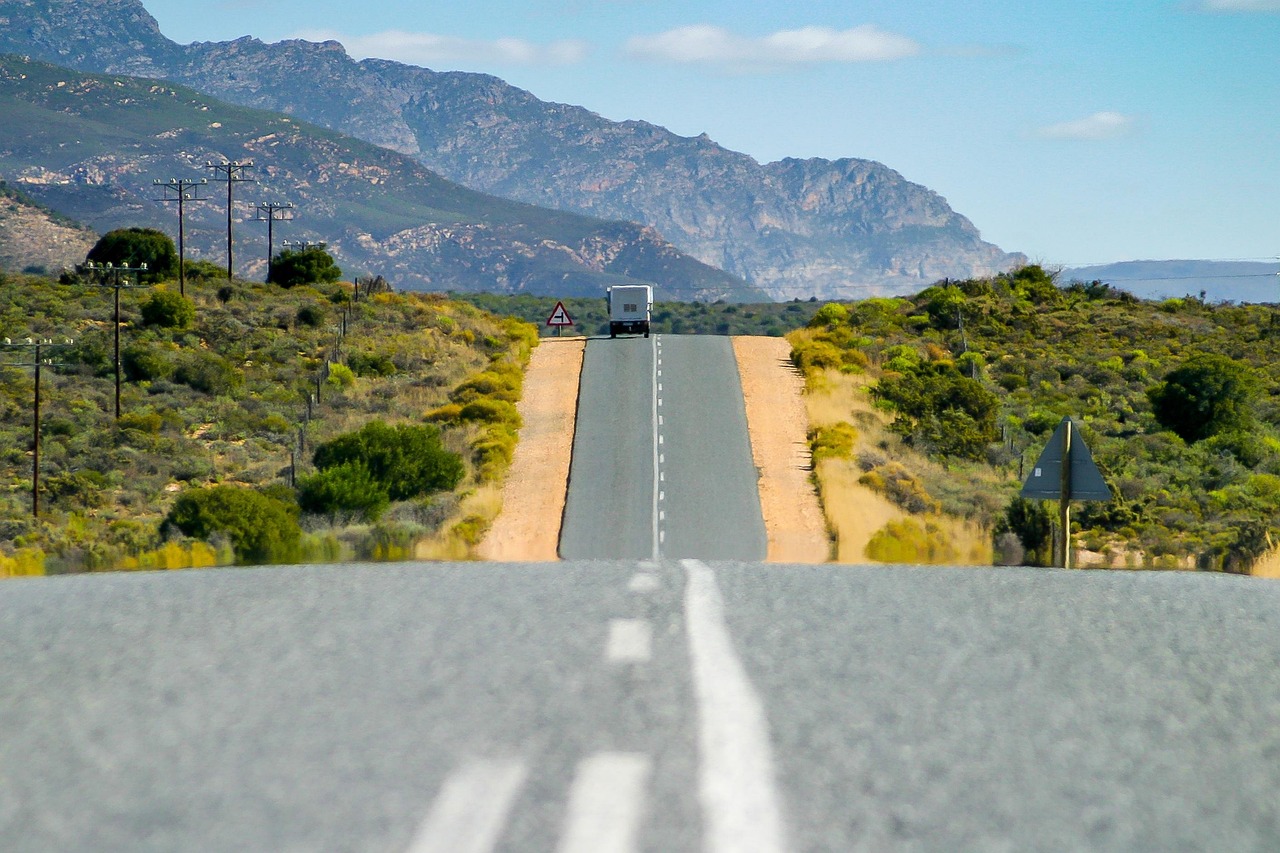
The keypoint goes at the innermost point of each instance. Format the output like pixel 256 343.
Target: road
pixel 662 463
pixel 656 706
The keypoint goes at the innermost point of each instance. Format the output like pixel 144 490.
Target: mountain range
pixel 90 146
pixel 796 228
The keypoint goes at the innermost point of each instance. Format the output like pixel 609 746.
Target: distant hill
pixel 1221 281
pixel 90 145
pixel 35 239
pixel 797 228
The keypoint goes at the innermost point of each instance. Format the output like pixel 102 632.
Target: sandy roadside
pixel 778 424
pixel 528 527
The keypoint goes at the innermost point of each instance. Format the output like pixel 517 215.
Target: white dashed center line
pixel 630 641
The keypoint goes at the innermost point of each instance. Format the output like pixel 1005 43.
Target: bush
pixel 348 487
pixel 168 310
pixel 262 529
pixel 146 362
pixel 137 246
pixel 207 372
pixel 309 266
pixel 833 442
pixel 1209 394
pixel 310 315
pixel 408 461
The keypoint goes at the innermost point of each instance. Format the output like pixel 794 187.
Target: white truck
pixel 629 308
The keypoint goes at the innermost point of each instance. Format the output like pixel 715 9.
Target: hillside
pixel 796 228
pixel 973 378
pixel 241 389
pixel 34 238
pixel 89 146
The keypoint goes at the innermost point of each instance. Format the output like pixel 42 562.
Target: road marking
pixel 660 439
pixel 605 804
pixel 662 496
pixel 644 582
pixel 740 802
pixel 630 641
pixel 657 401
pixel 469 812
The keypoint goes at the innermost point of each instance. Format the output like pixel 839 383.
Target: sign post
pixel 559 318
pixel 1065 472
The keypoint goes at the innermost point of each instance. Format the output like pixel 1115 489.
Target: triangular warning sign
pixel 559 317
pixel 1086 483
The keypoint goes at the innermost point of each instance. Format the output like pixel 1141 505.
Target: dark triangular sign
pixel 1045 481
pixel 559 317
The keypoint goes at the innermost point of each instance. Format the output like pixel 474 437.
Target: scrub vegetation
pixel 252 430
pixel 959 388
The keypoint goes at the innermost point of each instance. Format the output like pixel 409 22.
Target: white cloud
pixel 1102 125
pixel 706 44
pixel 433 50
pixel 1239 5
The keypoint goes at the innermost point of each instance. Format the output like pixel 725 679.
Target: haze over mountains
pixel 796 228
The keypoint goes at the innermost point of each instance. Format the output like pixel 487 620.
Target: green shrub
pixel 340 376
pixel 491 411
pixel 408 461
pixel 134 247
pixel 348 487
pixel 207 372
pixel 371 364
pixel 311 316
pixel 142 362
pixel 833 442
pixel 310 266
pixel 261 529
pixel 168 310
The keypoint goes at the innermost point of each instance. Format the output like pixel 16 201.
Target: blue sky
pixel 1077 132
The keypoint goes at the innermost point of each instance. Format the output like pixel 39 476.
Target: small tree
pixel 137 246
pixel 348 487
pixel 1208 395
pixel 312 265
pixel 168 310
pixel 262 529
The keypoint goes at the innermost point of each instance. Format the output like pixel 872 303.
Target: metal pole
pixel 35 443
pixel 1064 500
pixel 230 241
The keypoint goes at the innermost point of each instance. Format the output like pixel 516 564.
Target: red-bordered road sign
pixel 559 317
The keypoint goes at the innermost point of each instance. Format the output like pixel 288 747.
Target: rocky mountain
pixel 35 239
pixel 91 145
pixel 794 227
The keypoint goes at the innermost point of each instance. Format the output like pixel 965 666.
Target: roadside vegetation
pixel 259 423
pixel 938 403
pixel 591 317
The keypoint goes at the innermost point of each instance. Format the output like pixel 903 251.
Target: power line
pixel 181 190
pixel 231 173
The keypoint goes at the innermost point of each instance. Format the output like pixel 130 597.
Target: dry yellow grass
pixel 477 510
pixel 856 513
pixel 1268 566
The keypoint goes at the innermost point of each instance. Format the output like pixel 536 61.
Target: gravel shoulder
pixel 533 497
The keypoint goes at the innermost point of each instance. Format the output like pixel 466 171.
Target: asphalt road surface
pixel 637 705
pixel 662 463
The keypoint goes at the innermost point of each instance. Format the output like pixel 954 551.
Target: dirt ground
pixel 528 527
pixel 778 425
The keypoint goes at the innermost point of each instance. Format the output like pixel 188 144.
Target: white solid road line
pixel 657 401
pixel 741 807
pixel 606 804
pixel 630 641
pixel 469 812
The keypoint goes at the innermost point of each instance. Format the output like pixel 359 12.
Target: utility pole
pixel 35 346
pixel 181 190
pixel 109 276
pixel 271 213
pixel 304 245
pixel 231 173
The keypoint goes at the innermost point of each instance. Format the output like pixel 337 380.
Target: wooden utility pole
pixel 108 275
pixel 37 346
pixel 181 190
pixel 271 213
pixel 231 173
